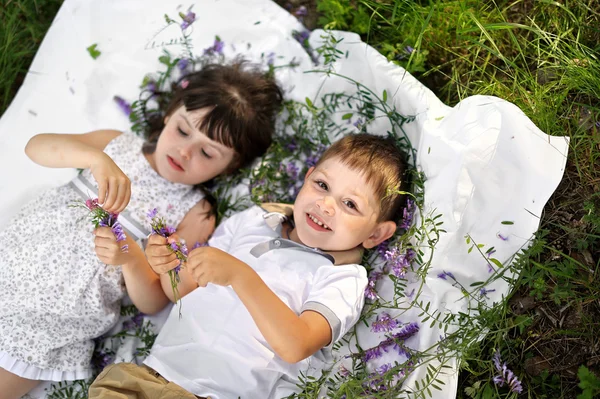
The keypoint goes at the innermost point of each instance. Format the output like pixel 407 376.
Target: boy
pixel 275 303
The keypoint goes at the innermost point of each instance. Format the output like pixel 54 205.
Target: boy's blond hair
pixel 382 163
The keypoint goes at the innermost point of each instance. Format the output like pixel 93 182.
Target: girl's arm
pixel 85 151
pixel 143 285
pixel 69 150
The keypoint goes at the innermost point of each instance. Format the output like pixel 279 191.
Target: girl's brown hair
pixel 243 103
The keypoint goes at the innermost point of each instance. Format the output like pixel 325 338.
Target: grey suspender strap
pixel 87 190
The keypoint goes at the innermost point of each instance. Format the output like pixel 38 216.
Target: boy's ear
pixel 382 232
pixel 310 170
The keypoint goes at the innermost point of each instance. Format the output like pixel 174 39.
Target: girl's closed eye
pixel 184 134
pixel 207 155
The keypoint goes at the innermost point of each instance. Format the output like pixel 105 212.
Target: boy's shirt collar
pixel 275 221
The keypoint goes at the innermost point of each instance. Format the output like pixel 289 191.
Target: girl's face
pixel 186 155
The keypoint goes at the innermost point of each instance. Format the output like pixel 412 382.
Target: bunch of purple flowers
pixel 102 218
pixel 506 375
pixel 159 226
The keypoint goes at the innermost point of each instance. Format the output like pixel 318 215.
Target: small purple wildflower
pixel 370 292
pixel 384 323
pixel 506 376
pixel 344 371
pixel 152 213
pixel 398 261
pixel 395 341
pixel 292 145
pixel 358 123
pixel 483 292
pixel 301 37
pixel 102 359
pixel 292 170
pixel 503 238
pixel 182 64
pixel 271 58
pixel 407 331
pixel 217 47
pixel 408 214
pixel 383 248
pixel 124 105
pixel 446 274
pixel 188 19
pixel 381 370
pixel 409 49
pixel 372 353
pixel 302 11
pixel 312 160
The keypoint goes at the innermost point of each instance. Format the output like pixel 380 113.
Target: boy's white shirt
pixel 215 348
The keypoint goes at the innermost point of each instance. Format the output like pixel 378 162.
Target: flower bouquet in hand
pixel 159 226
pixel 102 218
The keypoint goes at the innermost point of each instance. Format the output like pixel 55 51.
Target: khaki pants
pixel 130 381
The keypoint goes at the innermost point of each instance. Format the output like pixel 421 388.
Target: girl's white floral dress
pixel 55 295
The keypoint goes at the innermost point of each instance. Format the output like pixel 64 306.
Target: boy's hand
pixel 114 187
pixel 160 257
pixel 108 249
pixel 211 265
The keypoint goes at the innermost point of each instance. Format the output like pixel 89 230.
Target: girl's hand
pixel 211 265
pixel 114 187
pixel 160 257
pixel 108 249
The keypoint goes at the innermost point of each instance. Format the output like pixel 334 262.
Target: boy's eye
pixel 322 184
pixel 184 134
pixel 350 204
pixel 206 154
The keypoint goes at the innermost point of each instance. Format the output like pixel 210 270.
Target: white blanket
pixel 485 161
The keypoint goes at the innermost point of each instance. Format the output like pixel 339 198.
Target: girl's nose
pixel 185 152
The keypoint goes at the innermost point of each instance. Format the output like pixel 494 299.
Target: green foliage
pixel 23 24
pixel 93 50
pixel 589 383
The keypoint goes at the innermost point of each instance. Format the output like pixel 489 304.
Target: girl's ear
pixel 166 120
pixel 382 232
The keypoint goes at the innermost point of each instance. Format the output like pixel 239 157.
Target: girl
pixel 55 292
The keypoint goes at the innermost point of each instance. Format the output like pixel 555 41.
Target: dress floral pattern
pixel 55 295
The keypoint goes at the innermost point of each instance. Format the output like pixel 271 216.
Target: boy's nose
pixel 327 205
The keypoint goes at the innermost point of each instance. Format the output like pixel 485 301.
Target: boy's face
pixel 336 209
pixel 186 155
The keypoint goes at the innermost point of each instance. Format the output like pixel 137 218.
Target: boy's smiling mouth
pixel 174 164
pixel 316 223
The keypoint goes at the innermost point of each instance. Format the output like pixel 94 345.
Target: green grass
pixel 542 57
pixel 23 24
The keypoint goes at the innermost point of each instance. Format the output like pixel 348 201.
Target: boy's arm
pixel 292 337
